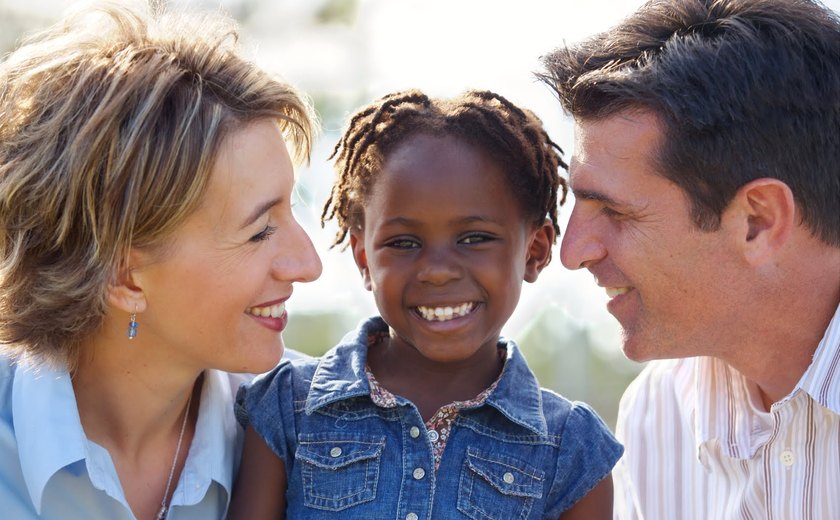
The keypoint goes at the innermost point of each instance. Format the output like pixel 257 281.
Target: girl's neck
pixel 428 384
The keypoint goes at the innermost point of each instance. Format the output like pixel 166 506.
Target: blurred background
pixel 345 53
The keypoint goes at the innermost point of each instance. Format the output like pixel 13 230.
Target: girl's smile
pixel 445 248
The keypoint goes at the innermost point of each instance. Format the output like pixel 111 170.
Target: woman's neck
pixel 126 398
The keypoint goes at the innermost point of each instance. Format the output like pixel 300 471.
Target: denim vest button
pixel 419 473
pixel 414 432
pixel 433 435
pixel 335 452
pixel 411 516
pixel 508 477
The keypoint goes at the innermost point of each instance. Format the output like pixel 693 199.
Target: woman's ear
pixel 767 216
pixel 125 292
pixel 539 250
pixel 357 244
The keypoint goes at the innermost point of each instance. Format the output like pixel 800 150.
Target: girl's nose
pixel 438 266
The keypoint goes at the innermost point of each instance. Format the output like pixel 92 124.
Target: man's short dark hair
pixel 744 89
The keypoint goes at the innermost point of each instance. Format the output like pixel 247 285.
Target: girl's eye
pixel 477 238
pixel 264 234
pixel 402 243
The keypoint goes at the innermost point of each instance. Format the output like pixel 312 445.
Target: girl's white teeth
pixel 445 313
pixel 612 292
pixel 273 311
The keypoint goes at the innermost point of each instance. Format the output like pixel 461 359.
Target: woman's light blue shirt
pixel 50 470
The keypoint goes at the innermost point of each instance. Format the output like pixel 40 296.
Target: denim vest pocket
pixel 339 470
pixel 496 487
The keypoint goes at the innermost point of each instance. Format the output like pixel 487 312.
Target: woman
pixel 148 248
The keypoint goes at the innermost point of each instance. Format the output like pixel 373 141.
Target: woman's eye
pixel 264 234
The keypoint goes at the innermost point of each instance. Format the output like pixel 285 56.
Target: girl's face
pixel 445 247
pixel 216 298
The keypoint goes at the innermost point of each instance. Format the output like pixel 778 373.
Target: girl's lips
pixel 445 312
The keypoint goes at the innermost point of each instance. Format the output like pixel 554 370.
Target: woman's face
pixel 216 297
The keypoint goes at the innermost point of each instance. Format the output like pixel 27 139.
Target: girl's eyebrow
pixel 260 210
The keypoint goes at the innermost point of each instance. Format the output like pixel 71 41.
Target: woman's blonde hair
pixel 109 124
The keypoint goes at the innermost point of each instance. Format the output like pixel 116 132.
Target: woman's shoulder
pixel 7 378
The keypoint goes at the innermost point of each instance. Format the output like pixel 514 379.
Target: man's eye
pixel 264 234
pixel 611 213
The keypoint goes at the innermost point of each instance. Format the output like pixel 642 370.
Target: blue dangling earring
pixel 132 325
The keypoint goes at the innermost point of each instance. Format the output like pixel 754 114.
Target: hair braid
pixel 513 136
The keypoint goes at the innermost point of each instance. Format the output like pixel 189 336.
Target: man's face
pixel 668 282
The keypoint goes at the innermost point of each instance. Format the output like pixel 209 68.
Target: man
pixel 706 178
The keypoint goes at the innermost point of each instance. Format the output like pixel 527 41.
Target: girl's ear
pixel 125 291
pixel 357 244
pixel 539 250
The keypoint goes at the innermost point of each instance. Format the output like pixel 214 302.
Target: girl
pixel 425 412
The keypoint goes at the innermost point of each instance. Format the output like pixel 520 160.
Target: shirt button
pixel 419 473
pixel 411 516
pixel 414 432
pixel 508 477
pixel 787 458
pixel 433 435
pixel 335 452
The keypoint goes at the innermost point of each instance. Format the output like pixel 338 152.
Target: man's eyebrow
pixel 596 196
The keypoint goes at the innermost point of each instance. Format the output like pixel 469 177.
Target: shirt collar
pixel 340 375
pixel 822 378
pixel 44 407
pixel 719 396
pixel 214 451
pixel 46 419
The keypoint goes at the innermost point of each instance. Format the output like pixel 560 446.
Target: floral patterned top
pixel 440 423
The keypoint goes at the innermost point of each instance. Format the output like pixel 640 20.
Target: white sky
pixel 442 47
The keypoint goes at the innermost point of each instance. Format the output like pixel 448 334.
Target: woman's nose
pixel 297 260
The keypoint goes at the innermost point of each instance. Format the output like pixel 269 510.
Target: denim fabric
pixel 526 453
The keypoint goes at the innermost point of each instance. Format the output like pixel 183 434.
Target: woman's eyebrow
pixel 260 210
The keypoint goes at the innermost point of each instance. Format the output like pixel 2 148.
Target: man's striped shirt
pixel 699 445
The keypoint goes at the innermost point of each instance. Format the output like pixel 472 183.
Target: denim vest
pixel 526 453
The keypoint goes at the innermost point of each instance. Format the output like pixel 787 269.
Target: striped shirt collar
pixel 721 397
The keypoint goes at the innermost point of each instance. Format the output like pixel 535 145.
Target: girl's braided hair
pixel 512 136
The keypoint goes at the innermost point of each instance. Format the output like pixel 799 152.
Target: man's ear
pixel 357 244
pixel 124 291
pixel 766 213
pixel 539 250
